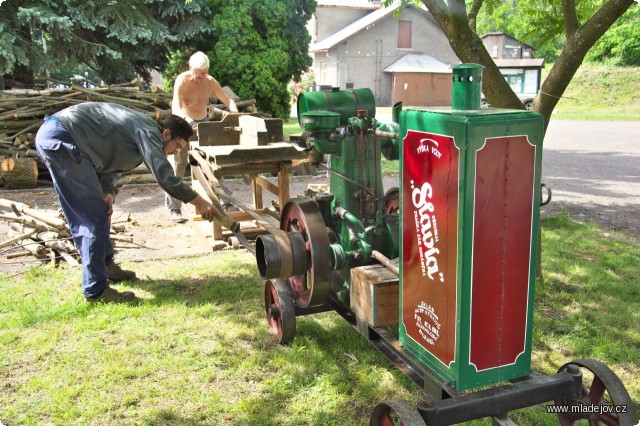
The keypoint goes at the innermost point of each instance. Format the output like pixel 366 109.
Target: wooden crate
pixel 374 295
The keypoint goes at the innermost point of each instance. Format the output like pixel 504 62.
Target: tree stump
pixel 19 173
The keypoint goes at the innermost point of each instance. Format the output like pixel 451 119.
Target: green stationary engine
pixel 355 221
pixel 463 231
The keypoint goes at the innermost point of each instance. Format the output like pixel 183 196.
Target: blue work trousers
pixel 78 187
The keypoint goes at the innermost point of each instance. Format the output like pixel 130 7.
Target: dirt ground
pixel 155 236
pixel 141 209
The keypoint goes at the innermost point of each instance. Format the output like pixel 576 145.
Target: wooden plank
pixel 258 201
pixel 374 294
pixel 275 131
pixel 267 185
pixel 252 130
pixel 283 185
pixel 248 169
pixel 238 155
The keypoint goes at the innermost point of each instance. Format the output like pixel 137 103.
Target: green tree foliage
pixel 115 39
pixel 621 44
pixel 524 20
pixel 257 46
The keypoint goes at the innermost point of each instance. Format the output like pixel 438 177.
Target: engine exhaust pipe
pixel 281 254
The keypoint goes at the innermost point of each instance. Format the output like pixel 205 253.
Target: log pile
pixel 22 111
pixel 44 234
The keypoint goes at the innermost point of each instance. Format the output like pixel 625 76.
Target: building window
pixel 349 86
pixel 404 34
pixel 323 72
pixel 516 81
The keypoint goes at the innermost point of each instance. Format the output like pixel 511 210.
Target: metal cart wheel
pixel 281 314
pixel 312 288
pixel 392 201
pixel 396 412
pixel 600 387
pixel 545 198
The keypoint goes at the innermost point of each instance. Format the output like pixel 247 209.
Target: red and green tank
pixel 470 191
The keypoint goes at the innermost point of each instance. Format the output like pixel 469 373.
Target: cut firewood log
pixel 57 242
pixel 121 238
pixel 45 235
pixel 36 249
pixel 19 173
pixel 69 258
pixel 32 223
pixel 35 213
pixel 18 254
pixel 18 238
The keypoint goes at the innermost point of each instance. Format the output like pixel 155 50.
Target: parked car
pixel 527 101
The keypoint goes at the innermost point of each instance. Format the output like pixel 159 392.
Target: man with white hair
pixel 191 93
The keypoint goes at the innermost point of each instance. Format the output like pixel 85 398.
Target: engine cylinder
pixel 344 102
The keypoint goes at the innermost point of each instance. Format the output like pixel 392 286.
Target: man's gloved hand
pixel 208 212
pixel 206 209
pixel 212 212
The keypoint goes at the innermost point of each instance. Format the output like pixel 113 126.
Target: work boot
pixel 228 207
pixel 110 295
pixel 116 273
pixel 176 216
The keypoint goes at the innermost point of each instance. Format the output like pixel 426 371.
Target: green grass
pixel 290 127
pixel 197 350
pixel 600 93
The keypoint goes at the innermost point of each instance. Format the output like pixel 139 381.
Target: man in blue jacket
pixel 86 147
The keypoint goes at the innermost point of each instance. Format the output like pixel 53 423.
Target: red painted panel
pixel 430 233
pixel 505 172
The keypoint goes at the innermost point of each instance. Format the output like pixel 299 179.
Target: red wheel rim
pixel 313 287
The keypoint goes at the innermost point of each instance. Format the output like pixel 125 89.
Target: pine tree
pixel 258 46
pixel 116 40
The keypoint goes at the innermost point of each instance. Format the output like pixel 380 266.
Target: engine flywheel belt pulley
pixel 312 287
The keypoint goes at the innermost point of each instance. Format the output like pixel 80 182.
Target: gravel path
pixel 593 169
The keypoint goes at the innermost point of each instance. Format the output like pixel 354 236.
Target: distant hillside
pixel 599 92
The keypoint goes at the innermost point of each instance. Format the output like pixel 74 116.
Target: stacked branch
pixel 43 234
pixel 22 111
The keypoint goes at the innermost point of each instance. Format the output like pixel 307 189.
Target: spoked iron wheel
pixel 392 201
pixel 312 288
pixel 396 412
pixel 600 387
pixel 281 314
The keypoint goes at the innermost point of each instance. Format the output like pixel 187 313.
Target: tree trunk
pixel 579 40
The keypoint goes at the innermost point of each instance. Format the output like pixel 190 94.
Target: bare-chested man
pixel 191 93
